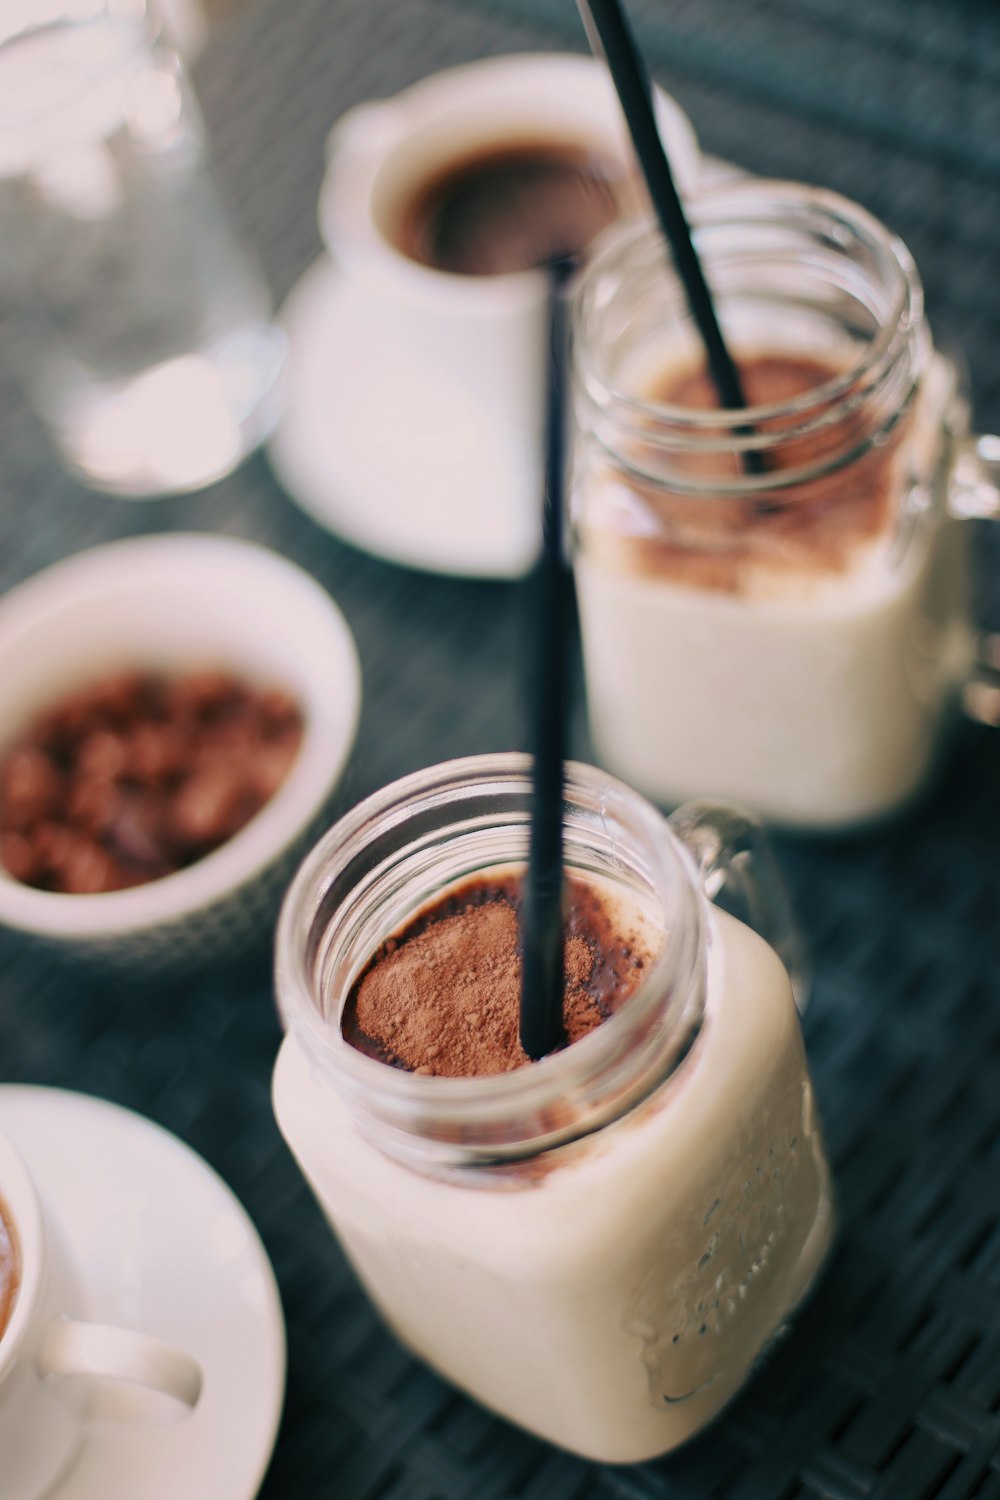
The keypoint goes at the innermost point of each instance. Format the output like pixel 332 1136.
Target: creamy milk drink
pixel 599 1245
pixel 774 603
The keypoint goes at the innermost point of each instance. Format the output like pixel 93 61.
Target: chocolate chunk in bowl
pixel 137 775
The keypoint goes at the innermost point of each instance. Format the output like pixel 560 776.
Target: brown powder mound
pixel 811 529
pixel 442 996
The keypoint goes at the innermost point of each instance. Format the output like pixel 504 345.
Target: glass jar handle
pixel 974 495
pixel 739 874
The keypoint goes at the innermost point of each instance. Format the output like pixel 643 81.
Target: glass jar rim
pixel 759 203
pixel 663 992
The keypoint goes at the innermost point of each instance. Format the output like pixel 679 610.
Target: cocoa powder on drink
pixel 442 996
pixel 812 528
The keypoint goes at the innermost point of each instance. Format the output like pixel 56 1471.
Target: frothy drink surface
pixel 10 1267
pixel 442 996
pixel 732 544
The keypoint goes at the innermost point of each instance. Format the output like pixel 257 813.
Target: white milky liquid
pixel 615 1303
pixel 816 702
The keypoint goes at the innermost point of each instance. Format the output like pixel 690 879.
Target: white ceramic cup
pixel 52 1365
pixel 444 435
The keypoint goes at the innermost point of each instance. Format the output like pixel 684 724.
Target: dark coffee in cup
pixel 10 1267
pixel 511 208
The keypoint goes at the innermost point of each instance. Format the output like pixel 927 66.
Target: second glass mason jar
pixel 774 602
pixel 598 1245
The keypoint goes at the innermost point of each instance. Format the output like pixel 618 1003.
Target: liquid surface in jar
pixel 511 209
pixel 10 1267
pixel 442 995
pixel 813 526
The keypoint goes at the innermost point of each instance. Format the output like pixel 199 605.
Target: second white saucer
pixel 161 1244
pixel 392 455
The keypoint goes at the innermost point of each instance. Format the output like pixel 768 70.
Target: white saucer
pixel 359 446
pixel 160 1244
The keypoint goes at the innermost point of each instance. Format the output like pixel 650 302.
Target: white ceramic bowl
pixel 178 603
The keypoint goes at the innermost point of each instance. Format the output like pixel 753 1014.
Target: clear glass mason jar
pixel 598 1245
pixel 774 602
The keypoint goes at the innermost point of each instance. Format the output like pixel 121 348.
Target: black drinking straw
pixel 542 1028
pixel 609 33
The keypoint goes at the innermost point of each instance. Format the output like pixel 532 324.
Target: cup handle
pixel 369 127
pixel 974 495
pixel 739 874
pixel 70 1347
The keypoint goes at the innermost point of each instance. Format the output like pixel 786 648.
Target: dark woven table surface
pixel 889 1388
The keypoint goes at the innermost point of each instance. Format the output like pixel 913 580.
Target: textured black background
pixel 890 1386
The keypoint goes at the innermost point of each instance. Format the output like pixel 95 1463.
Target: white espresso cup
pixel 58 1373
pixel 440 450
